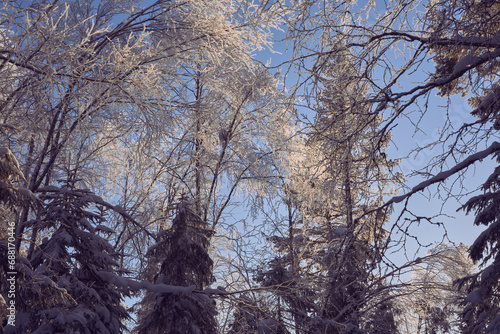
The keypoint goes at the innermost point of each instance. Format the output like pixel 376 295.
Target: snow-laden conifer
pixel 482 304
pixel 180 258
pixel 63 289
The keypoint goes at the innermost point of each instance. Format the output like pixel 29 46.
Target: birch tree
pixel 431 301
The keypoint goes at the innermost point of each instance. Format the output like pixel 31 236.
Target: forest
pixel 249 167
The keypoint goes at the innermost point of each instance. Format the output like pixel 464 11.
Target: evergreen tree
pixel 482 311
pixel 293 295
pixel 249 317
pixel 381 318
pixel 181 258
pixel 290 275
pixel 66 286
pixel 351 175
pixel 245 316
pixel 472 70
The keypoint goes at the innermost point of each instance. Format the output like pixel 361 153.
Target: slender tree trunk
pixel 198 145
pixel 291 246
pixel 347 188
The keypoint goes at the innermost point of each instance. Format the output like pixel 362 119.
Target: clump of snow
pixel 26 192
pixel 488 272
pixel 398 199
pixel 217 291
pixel 4 151
pixel 474 297
pixel 96 199
pixel 104 228
pixel 119 209
pixel 48 189
pixel 87 224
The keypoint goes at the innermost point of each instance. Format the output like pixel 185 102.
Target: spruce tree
pixel 66 285
pixel 250 317
pixel 181 259
pixel 482 306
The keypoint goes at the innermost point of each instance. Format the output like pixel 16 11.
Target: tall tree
pixel 482 311
pixel 182 259
pixel 73 295
pixel 354 175
pixel 249 317
pixel 82 81
pixel 335 238
pixel 12 199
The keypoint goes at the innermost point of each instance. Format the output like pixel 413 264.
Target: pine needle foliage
pixel 181 258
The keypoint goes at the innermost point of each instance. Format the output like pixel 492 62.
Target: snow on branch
pixel 465 64
pixel 127 283
pixel 133 285
pixel 494 147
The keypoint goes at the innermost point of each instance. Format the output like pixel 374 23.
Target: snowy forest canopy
pixel 230 167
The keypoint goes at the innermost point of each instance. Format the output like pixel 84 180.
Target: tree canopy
pixel 178 166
